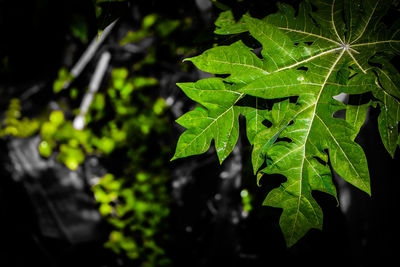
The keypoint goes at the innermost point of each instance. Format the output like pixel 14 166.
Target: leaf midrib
pixel 240 64
pixel 305 142
pixel 310 34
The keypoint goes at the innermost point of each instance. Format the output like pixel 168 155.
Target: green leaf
pixel 330 47
pixel 236 59
pixel 388 94
pixel 226 24
pixel 261 137
pixel 219 121
pixel 356 114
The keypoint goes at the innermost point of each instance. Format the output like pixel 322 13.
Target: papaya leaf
pixel 226 24
pixel 356 113
pixel 330 47
pixel 219 122
pixel 388 95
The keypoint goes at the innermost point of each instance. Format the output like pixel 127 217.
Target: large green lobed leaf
pixel 331 47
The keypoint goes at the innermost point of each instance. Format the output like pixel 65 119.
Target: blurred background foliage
pixel 127 121
pixel 14 124
pixel 127 126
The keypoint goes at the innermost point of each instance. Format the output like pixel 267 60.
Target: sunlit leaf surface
pixel 330 47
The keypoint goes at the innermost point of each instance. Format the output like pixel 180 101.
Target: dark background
pixel 205 226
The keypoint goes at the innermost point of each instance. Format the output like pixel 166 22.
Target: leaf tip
pixel 188 59
pixel 367 189
pixel 175 157
pixel 180 85
pixel 290 243
pixel 222 155
pixel 259 176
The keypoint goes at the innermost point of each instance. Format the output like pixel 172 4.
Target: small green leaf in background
pixel 246 200
pixel 14 124
pixel 159 106
pixel 56 117
pixel 79 28
pixel 63 77
pixel 71 156
pixel 45 149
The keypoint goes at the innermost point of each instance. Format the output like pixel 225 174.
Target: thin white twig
pixel 79 121
pixel 89 52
